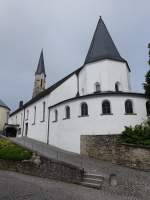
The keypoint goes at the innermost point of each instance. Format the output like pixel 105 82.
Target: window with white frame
pixel 106 109
pixel 84 109
pixel 128 107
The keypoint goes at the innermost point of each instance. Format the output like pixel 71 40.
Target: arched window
pixel 56 115
pixel 148 108
pixel 117 86
pixel 106 107
pixel 97 87
pixel 67 109
pixel 128 107
pixel 84 109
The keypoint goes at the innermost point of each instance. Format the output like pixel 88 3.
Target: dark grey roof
pixel 2 104
pixel 102 46
pixel 41 66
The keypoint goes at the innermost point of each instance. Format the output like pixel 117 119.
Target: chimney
pixel 20 104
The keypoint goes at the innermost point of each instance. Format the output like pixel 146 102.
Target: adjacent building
pixel 4 114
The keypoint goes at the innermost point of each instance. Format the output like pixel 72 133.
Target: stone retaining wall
pixel 106 147
pixel 45 168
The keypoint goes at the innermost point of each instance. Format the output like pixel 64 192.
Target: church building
pixel 95 99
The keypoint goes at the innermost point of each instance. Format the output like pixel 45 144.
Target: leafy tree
pixel 147 78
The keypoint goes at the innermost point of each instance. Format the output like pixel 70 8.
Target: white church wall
pixel 83 81
pixel 11 120
pixel 66 90
pixel 37 129
pixel 107 73
pixel 66 133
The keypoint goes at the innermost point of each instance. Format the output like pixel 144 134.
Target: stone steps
pixel 92 180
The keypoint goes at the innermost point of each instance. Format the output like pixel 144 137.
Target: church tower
pixel 40 76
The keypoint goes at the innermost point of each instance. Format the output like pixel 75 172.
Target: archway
pixel 10 131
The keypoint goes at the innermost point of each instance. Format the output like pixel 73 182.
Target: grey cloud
pixel 64 29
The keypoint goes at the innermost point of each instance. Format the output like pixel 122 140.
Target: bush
pixel 140 134
pixel 10 151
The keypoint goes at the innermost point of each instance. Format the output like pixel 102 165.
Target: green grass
pixel 10 151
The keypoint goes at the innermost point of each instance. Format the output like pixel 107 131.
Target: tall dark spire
pixel 40 76
pixel 41 66
pixel 102 46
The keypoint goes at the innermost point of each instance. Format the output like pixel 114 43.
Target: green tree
pixel 147 78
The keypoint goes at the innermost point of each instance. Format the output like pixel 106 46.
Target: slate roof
pixel 2 104
pixel 41 65
pixel 102 46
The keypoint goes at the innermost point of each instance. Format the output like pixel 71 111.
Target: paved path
pixel 14 186
pixel 130 182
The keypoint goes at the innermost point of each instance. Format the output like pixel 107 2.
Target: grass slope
pixel 10 151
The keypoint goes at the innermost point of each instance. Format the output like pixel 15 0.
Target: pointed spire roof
pixel 102 46
pixel 41 65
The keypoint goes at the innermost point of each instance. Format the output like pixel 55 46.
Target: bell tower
pixel 40 76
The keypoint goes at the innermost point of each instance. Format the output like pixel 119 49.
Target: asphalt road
pixel 15 186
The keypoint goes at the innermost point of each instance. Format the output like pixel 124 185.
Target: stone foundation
pixel 106 147
pixel 45 168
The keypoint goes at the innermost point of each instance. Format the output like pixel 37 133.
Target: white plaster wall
pixel 66 133
pixel 107 73
pixel 83 81
pixel 17 119
pixel 66 90
pixel 3 117
pixel 38 130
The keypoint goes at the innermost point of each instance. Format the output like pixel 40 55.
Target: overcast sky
pixel 64 30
